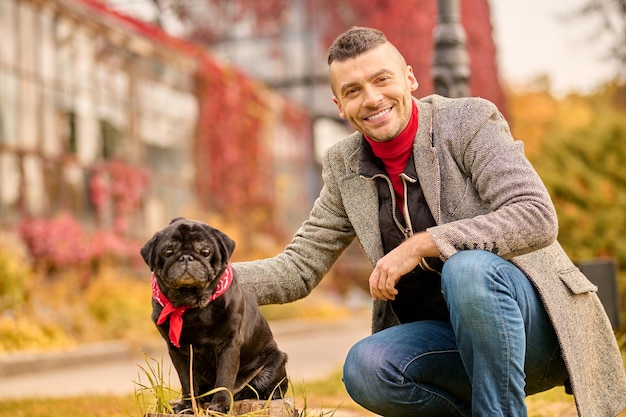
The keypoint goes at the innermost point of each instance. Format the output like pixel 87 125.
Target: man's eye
pixel 351 92
pixel 383 79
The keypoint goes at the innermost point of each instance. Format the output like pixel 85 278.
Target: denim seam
pixel 404 368
pixel 421 386
pixel 442 399
pixel 505 333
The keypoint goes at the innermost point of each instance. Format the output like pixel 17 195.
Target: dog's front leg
pixel 228 361
pixel 180 360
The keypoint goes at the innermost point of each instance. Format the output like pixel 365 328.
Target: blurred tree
pixel 210 21
pixel 611 16
pixel 581 159
pixel 536 115
pixel 611 22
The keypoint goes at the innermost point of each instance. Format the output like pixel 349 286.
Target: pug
pixel 211 324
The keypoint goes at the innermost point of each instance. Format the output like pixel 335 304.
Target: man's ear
pixel 412 80
pixel 338 104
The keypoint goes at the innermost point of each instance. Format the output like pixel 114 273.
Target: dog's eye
pixel 167 253
pixel 205 252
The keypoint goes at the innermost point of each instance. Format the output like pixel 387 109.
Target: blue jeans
pixel 499 347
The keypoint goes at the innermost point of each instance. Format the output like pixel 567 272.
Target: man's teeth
pixel 377 115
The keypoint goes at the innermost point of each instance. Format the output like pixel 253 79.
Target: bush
pixel 61 243
pixel 25 333
pixel 57 243
pixel 120 305
pixel 14 271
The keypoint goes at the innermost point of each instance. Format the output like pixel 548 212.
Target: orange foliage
pixel 535 116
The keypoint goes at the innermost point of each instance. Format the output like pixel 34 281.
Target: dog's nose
pixel 185 259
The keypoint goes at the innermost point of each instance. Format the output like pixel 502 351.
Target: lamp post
pixel 451 71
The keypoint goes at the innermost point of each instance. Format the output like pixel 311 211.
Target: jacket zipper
pixel 406 231
pixel 405 178
pixel 405 205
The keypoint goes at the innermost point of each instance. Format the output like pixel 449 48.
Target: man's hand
pixel 400 261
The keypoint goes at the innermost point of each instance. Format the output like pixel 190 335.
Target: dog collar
pixel 176 313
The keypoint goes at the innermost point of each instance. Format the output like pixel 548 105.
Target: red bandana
pixel 176 319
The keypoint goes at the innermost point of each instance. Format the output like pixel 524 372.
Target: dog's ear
pixel 177 219
pixel 226 244
pixel 147 251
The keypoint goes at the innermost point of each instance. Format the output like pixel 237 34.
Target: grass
pixel 126 406
pixel 89 406
pixel 324 397
pixel 153 394
pixel 320 399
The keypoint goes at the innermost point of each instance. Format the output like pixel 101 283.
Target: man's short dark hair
pixel 354 42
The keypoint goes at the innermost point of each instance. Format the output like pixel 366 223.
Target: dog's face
pixel 187 258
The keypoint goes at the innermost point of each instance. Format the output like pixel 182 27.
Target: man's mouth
pixel 378 115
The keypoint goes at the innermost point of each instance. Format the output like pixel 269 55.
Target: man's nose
pixel 371 96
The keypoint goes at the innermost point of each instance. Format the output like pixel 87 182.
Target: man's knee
pixel 470 262
pixel 468 276
pixel 357 372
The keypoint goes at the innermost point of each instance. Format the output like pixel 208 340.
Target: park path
pixel 316 348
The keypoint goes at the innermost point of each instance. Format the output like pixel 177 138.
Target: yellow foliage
pixel 536 115
pixel 531 114
pixel 24 333
pixel 120 306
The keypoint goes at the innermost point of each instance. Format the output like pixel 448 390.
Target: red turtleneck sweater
pixel 395 153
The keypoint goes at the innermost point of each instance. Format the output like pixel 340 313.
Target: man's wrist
pixel 424 245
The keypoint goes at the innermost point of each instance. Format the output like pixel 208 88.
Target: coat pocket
pixel 576 281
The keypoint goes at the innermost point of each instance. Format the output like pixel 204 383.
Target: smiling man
pixel 475 303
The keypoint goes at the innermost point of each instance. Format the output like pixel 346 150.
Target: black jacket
pixel 419 292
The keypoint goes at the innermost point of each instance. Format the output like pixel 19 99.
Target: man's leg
pixel 413 369
pixel 503 334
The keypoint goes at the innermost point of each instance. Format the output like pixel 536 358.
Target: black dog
pixel 198 304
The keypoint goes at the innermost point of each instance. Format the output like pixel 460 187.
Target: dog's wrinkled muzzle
pixel 187 271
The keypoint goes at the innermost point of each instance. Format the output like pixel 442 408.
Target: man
pixel 475 303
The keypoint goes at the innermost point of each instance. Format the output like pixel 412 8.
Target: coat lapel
pixel 362 209
pixel 426 161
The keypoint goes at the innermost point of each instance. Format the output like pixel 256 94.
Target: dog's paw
pixel 219 407
pixel 220 403
pixel 181 407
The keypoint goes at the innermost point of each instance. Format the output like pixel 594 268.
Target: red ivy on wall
pixel 409 25
pixel 233 166
pixel 117 190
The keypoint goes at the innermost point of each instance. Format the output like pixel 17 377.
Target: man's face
pixel 373 92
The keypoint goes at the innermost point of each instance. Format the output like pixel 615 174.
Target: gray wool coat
pixel 483 194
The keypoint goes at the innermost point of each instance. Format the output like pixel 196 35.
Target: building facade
pixel 91 103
